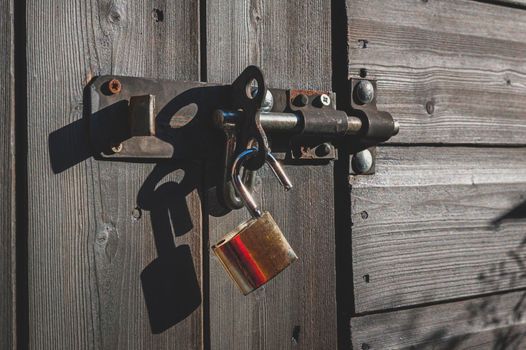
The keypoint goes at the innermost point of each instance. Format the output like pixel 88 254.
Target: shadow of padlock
pixel 256 251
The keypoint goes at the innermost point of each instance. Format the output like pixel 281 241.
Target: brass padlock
pixel 256 251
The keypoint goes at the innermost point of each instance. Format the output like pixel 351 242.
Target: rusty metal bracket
pixel 137 119
pixel 151 120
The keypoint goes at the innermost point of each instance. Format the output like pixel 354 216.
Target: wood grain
pixel 449 71
pixel 7 184
pixel 436 223
pixel 86 253
pixel 495 322
pixel 291 42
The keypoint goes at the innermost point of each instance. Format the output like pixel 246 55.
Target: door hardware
pixel 256 251
pixel 150 120
pixel 137 119
pixel 134 119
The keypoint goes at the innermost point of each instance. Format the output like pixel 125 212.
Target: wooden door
pixel 439 231
pixel 116 255
pixel 426 253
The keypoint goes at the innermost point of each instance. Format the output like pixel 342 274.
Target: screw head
pixel 362 162
pixel 114 86
pixel 117 148
pixel 364 92
pixel 325 100
pixel 301 100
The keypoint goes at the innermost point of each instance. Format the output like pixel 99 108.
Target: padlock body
pixel 254 253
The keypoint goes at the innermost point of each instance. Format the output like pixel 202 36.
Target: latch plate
pixel 153 119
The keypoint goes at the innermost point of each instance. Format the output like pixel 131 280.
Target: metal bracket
pixel 137 119
pixel 377 126
pixel 151 120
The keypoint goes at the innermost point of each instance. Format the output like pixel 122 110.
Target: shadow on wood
pixel 517 213
pixel 170 283
pixel 69 146
pixel 492 317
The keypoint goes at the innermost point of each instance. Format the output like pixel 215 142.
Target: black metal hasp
pixel 150 120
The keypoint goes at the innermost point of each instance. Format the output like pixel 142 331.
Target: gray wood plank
pixel 291 42
pixel 436 223
pixel 495 322
pixel 7 184
pixel 94 270
pixel 449 71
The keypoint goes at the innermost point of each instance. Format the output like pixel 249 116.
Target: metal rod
pixel 354 125
pixel 281 122
pixel 284 122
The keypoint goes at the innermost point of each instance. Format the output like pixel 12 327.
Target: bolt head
pixel 364 92
pixel 325 100
pixel 323 150
pixel 362 162
pixel 268 102
pixel 301 100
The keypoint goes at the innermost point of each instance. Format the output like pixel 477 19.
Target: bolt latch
pixel 135 118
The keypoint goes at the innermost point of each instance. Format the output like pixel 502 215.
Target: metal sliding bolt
pixel 279 121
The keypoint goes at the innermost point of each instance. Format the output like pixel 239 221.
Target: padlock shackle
pixel 240 187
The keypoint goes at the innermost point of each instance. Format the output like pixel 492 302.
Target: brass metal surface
pixel 254 253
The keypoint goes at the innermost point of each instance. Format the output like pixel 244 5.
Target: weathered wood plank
pixel 449 71
pixel 94 271
pixel 495 322
pixel 427 226
pixel 7 184
pixel 291 42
